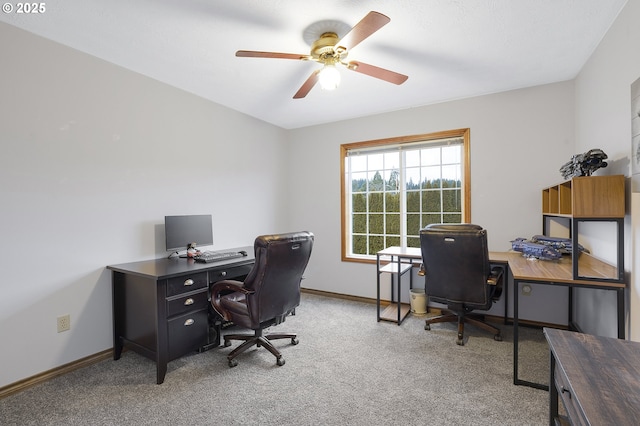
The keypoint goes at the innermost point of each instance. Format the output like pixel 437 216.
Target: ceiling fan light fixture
pixel 329 77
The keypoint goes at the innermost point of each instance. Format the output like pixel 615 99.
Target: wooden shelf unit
pixel 588 199
pixel 396 261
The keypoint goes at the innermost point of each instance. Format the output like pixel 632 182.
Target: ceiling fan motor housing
pixel 323 49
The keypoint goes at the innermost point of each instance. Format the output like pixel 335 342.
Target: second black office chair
pixel 270 292
pixel 459 275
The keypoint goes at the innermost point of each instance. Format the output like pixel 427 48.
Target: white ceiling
pixel 450 49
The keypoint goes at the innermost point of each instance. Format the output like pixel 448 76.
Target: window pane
pixel 375 202
pixel 392 201
pixel 452 218
pixel 428 219
pixel 451 154
pixel 375 181
pixel 392 241
pixel 359 203
pixel 451 177
pixel 451 201
pixel 413 224
pixel 430 156
pixel 376 224
pixel 431 201
pixel 431 176
pixel 392 180
pixel 376 244
pixel 359 244
pixel 413 201
pixel 358 182
pixel 413 241
pixel 393 224
pixel 412 158
pixel 375 162
pixel 392 160
pixel 412 177
pixel 359 223
pixel 358 163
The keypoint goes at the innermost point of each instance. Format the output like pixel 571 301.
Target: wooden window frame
pixel 449 134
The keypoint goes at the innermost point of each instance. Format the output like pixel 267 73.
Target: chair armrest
pixel 225 287
pixel 496 279
pixel 228 286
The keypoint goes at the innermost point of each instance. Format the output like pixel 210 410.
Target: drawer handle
pixel 189 322
pixel 223 273
pixel 565 390
pixel 188 282
pixel 188 302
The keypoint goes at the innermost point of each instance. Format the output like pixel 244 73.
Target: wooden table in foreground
pixel 558 273
pixel 597 379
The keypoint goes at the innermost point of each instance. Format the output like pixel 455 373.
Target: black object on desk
pixel 161 308
pixel 210 257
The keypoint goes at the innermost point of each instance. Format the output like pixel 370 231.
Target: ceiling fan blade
pixel 363 29
pixel 307 85
pixel 255 54
pixel 381 73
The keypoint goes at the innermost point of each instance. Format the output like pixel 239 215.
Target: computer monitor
pixel 182 231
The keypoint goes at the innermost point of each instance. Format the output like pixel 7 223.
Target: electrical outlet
pixel 64 323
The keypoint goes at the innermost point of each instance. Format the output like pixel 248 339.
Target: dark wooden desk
pixel 597 378
pixel 558 273
pixel 161 306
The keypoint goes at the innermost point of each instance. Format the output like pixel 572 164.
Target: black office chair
pixel 458 274
pixel 270 292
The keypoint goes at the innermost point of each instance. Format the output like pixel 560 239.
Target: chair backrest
pixel 276 275
pixel 456 262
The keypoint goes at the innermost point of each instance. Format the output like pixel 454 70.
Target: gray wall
pixel 93 157
pixel 603 120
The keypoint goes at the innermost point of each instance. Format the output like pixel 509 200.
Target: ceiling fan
pixel 330 50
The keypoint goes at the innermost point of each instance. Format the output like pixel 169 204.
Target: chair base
pixel 259 340
pixel 477 320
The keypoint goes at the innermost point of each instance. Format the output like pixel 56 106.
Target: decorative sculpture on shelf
pixel 584 164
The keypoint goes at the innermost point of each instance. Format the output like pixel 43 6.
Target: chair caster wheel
pixel 497 338
pixel 280 361
pixel 294 341
pixel 227 343
pixel 232 363
pixel 460 342
pixel 427 327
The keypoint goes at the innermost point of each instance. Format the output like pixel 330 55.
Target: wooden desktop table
pixel 597 379
pixel 558 273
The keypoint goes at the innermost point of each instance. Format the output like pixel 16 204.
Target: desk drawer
pixel 565 392
pixel 230 273
pixel 187 333
pixel 185 283
pixel 192 301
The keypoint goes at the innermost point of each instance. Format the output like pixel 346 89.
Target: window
pixel 392 188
